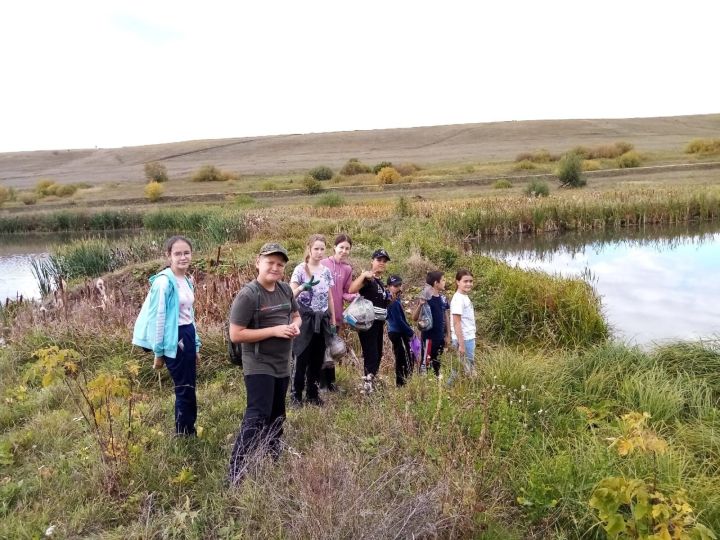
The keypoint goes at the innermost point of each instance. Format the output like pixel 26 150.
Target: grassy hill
pixel 280 154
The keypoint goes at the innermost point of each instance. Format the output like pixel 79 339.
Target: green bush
pixel 209 173
pixel 4 195
pixel 388 175
pixel 590 165
pixel 153 191
pixel 311 186
pixel 537 188
pixel 629 159
pixel 321 173
pixel 269 186
pixel 156 172
pixel 354 166
pixel 502 183
pixel 376 169
pixel 330 200
pixel 569 170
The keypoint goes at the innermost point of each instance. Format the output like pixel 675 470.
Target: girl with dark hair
pixel 166 326
pixel 342 278
pixel 371 287
pixel 434 338
pixel 463 319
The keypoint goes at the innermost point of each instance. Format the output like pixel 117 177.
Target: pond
pixel 18 250
pixel 656 284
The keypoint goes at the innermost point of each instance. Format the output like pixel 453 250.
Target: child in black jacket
pixel 399 331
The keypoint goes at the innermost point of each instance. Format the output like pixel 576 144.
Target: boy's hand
pixel 159 362
pixel 285 331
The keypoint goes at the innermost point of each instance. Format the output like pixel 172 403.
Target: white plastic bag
pixel 360 314
pixel 336 347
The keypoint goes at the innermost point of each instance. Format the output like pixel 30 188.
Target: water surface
pixel 656 284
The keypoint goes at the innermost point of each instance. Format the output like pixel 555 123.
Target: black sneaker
pixel 332 387
pixel 295 403
pixel 316 401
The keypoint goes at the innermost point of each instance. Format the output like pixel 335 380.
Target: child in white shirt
pixel 463 319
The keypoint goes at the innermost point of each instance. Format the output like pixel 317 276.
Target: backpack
pixel 235 349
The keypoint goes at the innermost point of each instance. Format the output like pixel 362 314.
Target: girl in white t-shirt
pixel 463 319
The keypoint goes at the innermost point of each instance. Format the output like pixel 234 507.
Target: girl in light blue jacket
pixel 166 326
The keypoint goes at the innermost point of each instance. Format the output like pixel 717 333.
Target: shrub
pixel 703 146
pixel 244 200
pixel 570 170
pixel 503 183
pixel 377 168
pixel 65 190
pixel 269 186
pixel 321 173
pixel 153 191
pixel 537 188
pixel 629 159
pixel 590 165
pixel 525 165
pixel 28 197
pixel 406 169
pixel 388 175
pixel 539 156
pixel 624 147
pixel 4 195
pixel 403 208
pixel 330 199
pixel 209 173
pixel 156 172
pixel 45 187
pixel 311 185
pixel 353 167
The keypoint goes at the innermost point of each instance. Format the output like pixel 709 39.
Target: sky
pixel 85 74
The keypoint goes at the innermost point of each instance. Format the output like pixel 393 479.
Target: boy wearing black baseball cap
pixel 399 331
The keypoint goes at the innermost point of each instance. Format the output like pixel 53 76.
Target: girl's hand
pixel 367 274
pixel 197 357
pixel 159 362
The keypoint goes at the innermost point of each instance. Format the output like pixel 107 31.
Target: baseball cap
pixel 394 280
pixel 271 248
pixel 380 253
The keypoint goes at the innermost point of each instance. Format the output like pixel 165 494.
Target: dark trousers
pixel 327 377
pixel 182 370
pixel 371 342
pixel 262 425
pixel 308 363
pixel 401 349
pixel 431 350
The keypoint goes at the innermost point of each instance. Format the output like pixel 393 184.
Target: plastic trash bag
pixel 425 320
pixel 360 314
pixel 329 361
pixel 336 347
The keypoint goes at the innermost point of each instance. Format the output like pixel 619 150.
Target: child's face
pixel 396 290
pixel 317 250
pixel 180 256
pixel 465 284
pixel 378 265
pixel 270 267
pixel 342 250
pixel 440 285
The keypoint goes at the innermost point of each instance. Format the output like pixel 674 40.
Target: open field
pixel 429 147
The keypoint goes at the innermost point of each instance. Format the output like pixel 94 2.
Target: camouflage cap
pixel 271 248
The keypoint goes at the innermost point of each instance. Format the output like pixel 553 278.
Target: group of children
pixel 275 323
